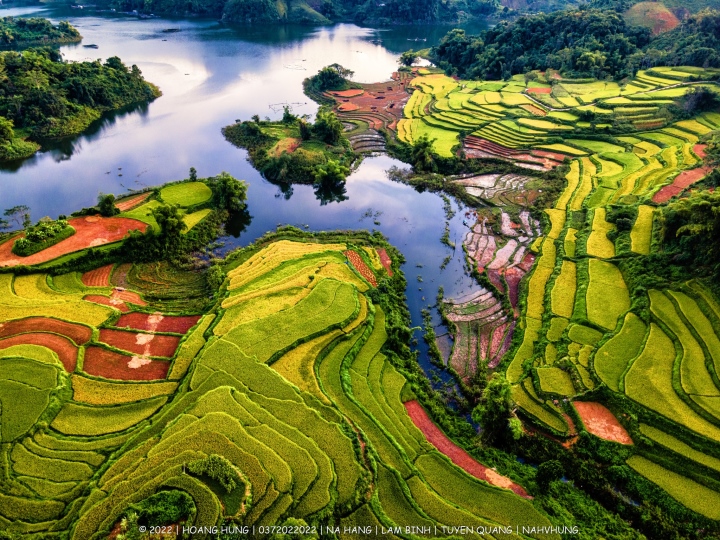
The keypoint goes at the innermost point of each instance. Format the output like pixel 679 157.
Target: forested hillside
pixel 585 43
pixel 317 11
pixel 16 32
pixel 43 96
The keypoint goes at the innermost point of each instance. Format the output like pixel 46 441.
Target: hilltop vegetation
pixel 18 32
pixel 586 43
pixel 45 97
pixel 318 11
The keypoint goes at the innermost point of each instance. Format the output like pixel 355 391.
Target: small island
pixel 294 151
pixel 46 97
pixel 23 32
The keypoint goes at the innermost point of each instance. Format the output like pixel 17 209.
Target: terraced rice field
pixel 301 395
pixel 578 324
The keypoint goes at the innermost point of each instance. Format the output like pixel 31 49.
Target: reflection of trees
pixel 285 190
pixel 238 222
pixel 327 192
pixel 63 149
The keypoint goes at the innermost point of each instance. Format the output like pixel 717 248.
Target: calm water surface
pixel 210 75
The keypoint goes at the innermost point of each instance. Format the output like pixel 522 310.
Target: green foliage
pixel 690 228
pixel 422 156
pixel 327 127
pixel 311 163
pixel 22 31
pixel 587 43
pixel 408 58
pixel 106 205
pixel 547 472
pixel 219 469
pixel 228 193
pixel 332 77
pixel 51 98
pixel 333 172
pixel 215 277
pixel 43 235
pixel 164 508
pixel 495 410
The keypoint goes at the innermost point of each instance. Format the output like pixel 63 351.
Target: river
pixel 212 74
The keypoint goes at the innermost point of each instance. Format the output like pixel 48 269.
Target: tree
pixel 327 127
pixel 305 130
pixel 7 132
pixel 422 156
pixel 495 410
pixel 547 472
pixel 333 172
pixel 106 205
pixel 332 77
pixel 19 214
pixel 408 58
pixel 193 174
pixel 170 220
pixel 288 116
pixel 228 193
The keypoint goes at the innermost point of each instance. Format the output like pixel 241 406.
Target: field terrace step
pixel 499 189
pixel 482 328
pixel 368 141
pixel 482 332
pixel 477 147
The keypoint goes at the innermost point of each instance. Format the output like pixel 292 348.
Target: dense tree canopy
pixel 48 97
pixel 16 32
pixel 314 11
pixel 585 42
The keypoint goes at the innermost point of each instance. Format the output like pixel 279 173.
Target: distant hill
pixel 652 15
pixel 316 11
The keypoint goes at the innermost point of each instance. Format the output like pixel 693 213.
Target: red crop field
pixel 128 296
pixel 90 231
pixel 599 421
pixel 683 180
pixel 65 349
pixel 132 202
pixel 158 322
pixel 111 365
pixel 105 301
pixel 100 277
pixel 456 454
pixel 355 92
pixel 699 150
pixel 143 344
pixel 361 267
pixel 77 332
pixel 346 107
pixel 385 261
pixel 539 90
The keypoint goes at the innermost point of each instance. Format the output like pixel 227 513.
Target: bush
pixel 42 236
pixel 219 469
pixel 548 472
pixel 164 508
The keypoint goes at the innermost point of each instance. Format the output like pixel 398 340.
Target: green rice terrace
pixel 290 397
pixel 587 347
